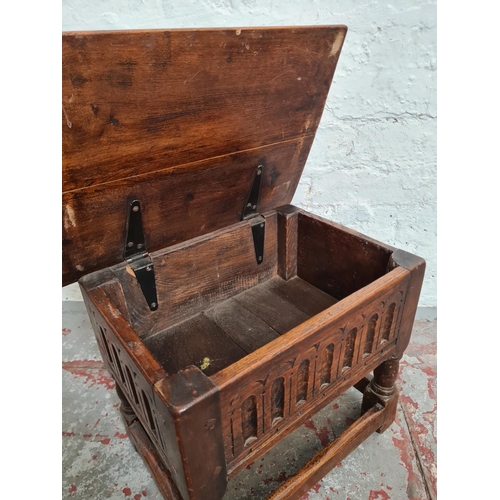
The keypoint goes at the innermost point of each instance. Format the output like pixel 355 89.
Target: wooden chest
pixel 226 316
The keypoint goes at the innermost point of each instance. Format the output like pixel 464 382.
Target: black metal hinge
pixel 137 257
pixel 250 211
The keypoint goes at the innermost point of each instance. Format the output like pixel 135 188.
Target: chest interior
pixel 217 303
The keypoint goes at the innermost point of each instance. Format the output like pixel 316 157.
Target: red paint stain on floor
pixel 121 435
pixel 310 425
pixel 403 445
pixel 349 421
pixel 408 401
pixel 282 477
pixel 91 375
pixel 127 492
pixel 67 434
pixel 105 441
pixel 335 406
pixel 379 495
pixel 322 434
pixel 414 349
pixel 72 489
pixel 316 487
pixel 431 374
pixel 66 331
pixel 138 496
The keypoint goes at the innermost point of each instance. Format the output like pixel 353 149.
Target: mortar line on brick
pixel 373 118
pixel 420 465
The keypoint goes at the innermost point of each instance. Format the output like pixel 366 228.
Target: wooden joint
pixel 382 391
pixel 191 408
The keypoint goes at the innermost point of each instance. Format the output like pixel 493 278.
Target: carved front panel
pixel 259 409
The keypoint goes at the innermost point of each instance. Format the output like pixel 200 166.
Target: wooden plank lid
pixel 180 120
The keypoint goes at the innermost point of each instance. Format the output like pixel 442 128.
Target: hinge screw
pixel 135 208
pixel 130 244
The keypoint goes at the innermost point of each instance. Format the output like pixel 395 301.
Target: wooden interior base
pixel 377 418
pixel 233 328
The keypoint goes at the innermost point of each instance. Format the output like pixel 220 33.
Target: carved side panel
pixel 282 392
pixel 138 390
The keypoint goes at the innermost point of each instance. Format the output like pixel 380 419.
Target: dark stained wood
pixel 416 266
pixel 283 356
pixel 301 294
pixel 296 339
pixel 277 400
pixel 146 449
pixel 287 241
pixel 114 291
pixel 246 329
pixel 382 390
pixel 147 112
pixel 249 420
pixel 336 260
pixel 276 312
pixel 196 275
pixel 317 347
pixel 172 97
pixel 188 403
pixel 350 345
pixel 197 342
pixel 238 355
pixel 363 383
pixel 100 309
pixel 177 204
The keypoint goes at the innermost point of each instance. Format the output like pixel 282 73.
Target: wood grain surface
pixel 180 119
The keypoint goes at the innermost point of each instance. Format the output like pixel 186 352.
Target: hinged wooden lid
pixel 180 120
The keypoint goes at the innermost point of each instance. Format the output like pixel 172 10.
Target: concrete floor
pixel 99 461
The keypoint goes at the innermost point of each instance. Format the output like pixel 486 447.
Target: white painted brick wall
pixel 373 164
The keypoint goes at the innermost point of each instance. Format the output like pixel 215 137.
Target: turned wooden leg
pixel 127 411
pixel 382 389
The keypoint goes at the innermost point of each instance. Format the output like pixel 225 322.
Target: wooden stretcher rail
pixel 326 459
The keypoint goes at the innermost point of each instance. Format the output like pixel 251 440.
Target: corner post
pixel 382 389
pixel 189 406
pixel 416 266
